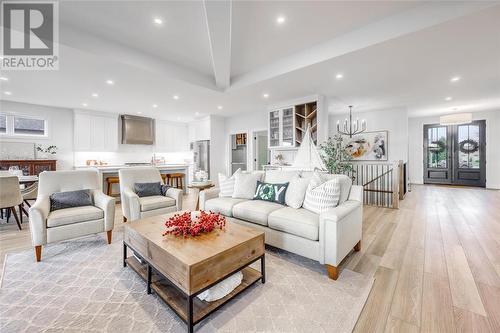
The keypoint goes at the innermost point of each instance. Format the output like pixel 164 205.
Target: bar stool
pixel 111 180
pixel 177 178
pixel 164 176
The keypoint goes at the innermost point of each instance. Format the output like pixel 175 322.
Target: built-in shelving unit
pixel 306 115
pixel 287 125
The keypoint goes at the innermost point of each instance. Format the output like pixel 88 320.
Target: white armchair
pixel 48 227
pixel 134 207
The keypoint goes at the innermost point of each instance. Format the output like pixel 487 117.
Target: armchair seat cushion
pixel 255 211
pixel 222 205
pixel 300 222
pixel 72 215
pixel 155 202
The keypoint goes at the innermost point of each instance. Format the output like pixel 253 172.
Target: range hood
pixel 137 130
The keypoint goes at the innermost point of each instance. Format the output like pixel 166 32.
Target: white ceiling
pixel 392 54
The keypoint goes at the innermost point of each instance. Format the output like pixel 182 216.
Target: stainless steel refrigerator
pixel 201 155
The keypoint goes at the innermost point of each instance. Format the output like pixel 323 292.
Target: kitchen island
pixel 112 170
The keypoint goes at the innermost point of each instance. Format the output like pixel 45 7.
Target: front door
pixel 455 154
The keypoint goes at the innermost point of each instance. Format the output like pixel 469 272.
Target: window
pixel 29 126
pixel 18 125
pixel 3 124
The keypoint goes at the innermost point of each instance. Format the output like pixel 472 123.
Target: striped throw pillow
pixel 321 195
pixel 226 184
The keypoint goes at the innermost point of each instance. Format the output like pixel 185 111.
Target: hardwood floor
pixel 436 261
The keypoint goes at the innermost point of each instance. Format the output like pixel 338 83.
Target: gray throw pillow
pixel 147 189
pixel 69 199
pixel 164 189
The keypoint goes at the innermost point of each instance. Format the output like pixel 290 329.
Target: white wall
pixel 60 126
pixel 217 147
pixel 394 120
pixel 416 134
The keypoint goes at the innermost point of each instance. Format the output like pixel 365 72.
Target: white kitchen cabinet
pixel 199 130
pixel 282 128
pixel 95 132
pixel 171 137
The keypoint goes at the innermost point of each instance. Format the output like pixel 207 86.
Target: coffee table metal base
pixel 189 308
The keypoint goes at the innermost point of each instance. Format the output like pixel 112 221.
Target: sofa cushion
pixel 344 181
pixel 255 211
pixel 223 206
pixel 74 215
pixel 226 184
pixel 321 195
pixel 69 199
pixel 245 185
pixel 296 192
pixel 147 189
pixel 279 176
pixel 155 202
pixel 300 222
pixel 271 192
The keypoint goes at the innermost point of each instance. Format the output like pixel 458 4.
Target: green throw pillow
pixel 270 192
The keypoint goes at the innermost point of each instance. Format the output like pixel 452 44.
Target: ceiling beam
pixel 415 19
pixel 218 17
pixel 107 49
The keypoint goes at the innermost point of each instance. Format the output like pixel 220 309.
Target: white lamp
pixel 456 119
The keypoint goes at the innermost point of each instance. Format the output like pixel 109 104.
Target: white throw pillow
pixel 226 184
pixel 245 185
pixel 296 191
pixel 321 195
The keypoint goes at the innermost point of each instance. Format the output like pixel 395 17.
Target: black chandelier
pixel 350 128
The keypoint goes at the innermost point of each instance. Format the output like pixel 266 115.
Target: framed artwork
pixel 368 146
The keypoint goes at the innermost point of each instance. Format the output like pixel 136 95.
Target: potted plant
pixel 45 152
pixel 335 157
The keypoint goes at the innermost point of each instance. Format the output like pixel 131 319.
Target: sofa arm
pixel 39 212
pixel 131 207
pixel 340 229
pixel 107 204
pixel 176 194
pixel 208 194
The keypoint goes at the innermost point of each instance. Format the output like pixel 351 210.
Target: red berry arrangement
pixel 183 225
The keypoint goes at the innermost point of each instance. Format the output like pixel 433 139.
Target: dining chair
pixel 10 197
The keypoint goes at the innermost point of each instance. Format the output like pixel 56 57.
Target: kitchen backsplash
pixel 119 158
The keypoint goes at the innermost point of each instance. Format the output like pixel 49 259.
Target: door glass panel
pixel 468 147
pixel 437 148
pixel 274 129
pixel 288 127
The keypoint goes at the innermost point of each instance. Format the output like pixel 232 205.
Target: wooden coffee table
pixel 178 269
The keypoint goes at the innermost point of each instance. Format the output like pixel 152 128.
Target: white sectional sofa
pixel 327 237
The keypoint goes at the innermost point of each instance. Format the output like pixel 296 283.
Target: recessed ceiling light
pixel 3 78
pixel 95 95
pixel 139 112
pixel 84 104
pixel 219 107
pixel 175 97
pixel 455 79
pixel 196 113
pixel 265 95
pixel 280 19
pixel 339 76
pixel 110 82
pixel 178 118
pixel 158 21
pixel 448 99
pixel 155 105
pixel 7 93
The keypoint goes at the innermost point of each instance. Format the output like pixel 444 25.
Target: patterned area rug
pixel 81 286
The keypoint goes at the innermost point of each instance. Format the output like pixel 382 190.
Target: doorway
pixel 455 154
pixel 260 150
pixel 238 152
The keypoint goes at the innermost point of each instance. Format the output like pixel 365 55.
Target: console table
pixel 29 167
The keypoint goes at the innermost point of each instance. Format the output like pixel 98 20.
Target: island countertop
pixel 115 168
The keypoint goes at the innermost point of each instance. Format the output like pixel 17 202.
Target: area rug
pixel 81 286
